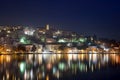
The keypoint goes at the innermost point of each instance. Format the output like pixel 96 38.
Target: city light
pixel 22 67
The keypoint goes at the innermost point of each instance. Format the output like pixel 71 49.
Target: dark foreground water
pixel 60 67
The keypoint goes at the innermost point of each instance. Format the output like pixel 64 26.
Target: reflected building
pixel 49 66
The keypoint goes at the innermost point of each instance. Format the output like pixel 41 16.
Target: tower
pixel 47 27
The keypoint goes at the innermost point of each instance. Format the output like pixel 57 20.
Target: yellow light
pixel 47 77
pixel 8 31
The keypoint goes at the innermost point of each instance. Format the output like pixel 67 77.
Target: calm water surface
pixel 60 67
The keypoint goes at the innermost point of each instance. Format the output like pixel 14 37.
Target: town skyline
pixel 58 27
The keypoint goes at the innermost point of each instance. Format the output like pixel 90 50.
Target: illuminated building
pixel 47 27
pixel 28 31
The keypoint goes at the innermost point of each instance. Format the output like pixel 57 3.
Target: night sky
pixel 100 17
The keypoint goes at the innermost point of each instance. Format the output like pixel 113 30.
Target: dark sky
pixel 100 17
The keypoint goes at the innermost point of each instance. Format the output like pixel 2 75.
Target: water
pixel 60 67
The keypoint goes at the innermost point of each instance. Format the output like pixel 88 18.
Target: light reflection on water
pixel 54 66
